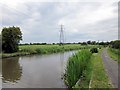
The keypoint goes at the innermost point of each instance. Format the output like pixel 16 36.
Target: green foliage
pixel 86 76
pixel 115 44
pixel 76 66
pixel 44 49
pixel 99 77
pixel 84 43
pixel 94 50
pixel 114 54
pixel 10 38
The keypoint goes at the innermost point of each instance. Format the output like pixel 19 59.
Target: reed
pixel 76 66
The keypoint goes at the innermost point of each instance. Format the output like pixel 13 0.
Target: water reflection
pixel 37 71
pixel 63 66
pixel 11 69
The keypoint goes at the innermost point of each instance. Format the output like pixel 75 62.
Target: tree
pixel 93 42
pixel 116 44
pixel 88 42
pixel 94 50
pixel 83 43
pixel 102 43
pixel 11 37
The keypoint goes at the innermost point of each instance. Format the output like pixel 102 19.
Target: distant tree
pixel 43 43
pixel 101 43
pixel 107 43
pixel 30 43
pixel 26 44
pixel 79 42
pixel 88 42
pixel 83 43
pixel 11 37
pixel 93 42
pixel 116 44
pixel 53 43
pixel 110 43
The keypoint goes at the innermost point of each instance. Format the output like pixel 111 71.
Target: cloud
pixel 40 21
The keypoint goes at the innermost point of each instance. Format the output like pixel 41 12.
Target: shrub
pixel 116 44
pixel 94 50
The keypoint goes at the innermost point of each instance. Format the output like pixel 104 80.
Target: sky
pixel 82 20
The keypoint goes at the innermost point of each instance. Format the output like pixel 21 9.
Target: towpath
pixel 111 68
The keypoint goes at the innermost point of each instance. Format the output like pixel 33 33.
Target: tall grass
pixel 76 66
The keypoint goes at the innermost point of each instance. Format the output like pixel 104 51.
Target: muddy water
pixel 36 71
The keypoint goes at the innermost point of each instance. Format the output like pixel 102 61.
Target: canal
pixel 35 71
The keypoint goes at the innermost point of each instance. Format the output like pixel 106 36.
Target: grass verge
pixel 114 54
pixel 99 77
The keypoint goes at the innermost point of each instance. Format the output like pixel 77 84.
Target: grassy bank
pixel 44 49
pixel 77 67
pixel 114 54
pixel 86 71
pixel 99 77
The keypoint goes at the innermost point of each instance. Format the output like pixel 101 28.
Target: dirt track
pixel 111 67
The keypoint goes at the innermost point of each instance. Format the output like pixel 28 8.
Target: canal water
pixel 35 71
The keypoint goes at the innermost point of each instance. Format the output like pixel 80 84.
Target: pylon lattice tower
pixel 61 35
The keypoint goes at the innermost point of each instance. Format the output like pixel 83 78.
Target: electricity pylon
pixel 61 36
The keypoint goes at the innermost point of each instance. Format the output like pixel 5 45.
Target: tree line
pixel 82 43
pixel 115 44
pixel 12 36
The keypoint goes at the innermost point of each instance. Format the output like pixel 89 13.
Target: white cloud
pixel 104 12
pixel 40 21
pixel 87 15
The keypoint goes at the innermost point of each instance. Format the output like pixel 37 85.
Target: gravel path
pixel 111 67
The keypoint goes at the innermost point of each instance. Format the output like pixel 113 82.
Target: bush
pixel 116 44
pixel 94 50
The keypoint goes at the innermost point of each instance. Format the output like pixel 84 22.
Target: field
pixel 45 49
